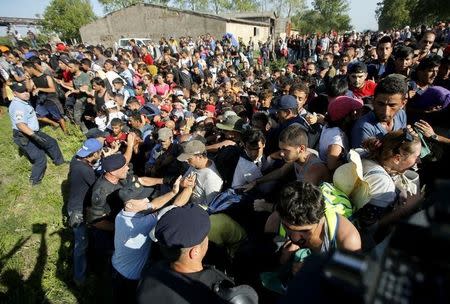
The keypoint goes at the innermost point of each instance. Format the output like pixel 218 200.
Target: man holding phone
pixel 208 181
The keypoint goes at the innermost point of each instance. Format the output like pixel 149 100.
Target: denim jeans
pixel 80 246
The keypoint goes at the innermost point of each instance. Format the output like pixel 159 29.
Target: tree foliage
pixel 399 13
pixel 430 11
pixel 217 6
pixel 325 15
pixel 114 5
pixel 65 17
pixel 394 13
pixel 288 8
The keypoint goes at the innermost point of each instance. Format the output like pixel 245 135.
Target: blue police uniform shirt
pixel 132 242
pixel 369 126
pixel 21 111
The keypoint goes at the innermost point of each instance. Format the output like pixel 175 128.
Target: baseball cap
pixel 342 106
pixel 134 190
pixel 166 108
pixel 164 133
pixel 286 102
pixel 232 123
pixel 90 146
pixel 190 149
pixel 60 47
pixel 19 87
pixel 95 133
pixel 183 227
pixel 210 108
pixel 113 162
pixel 433 96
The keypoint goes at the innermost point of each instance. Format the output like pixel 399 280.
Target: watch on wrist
pixel 434 137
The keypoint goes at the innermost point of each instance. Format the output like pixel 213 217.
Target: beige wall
pixel 246 31
pixel 142 21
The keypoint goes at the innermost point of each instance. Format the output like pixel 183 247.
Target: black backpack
pixel 226 161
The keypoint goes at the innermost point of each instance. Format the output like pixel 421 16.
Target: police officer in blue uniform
pixel 32 142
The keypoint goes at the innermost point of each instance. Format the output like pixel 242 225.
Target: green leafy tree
pixel 195 5
pixel 394 13
pixel 325 15
pixel 430 11
pixel 222 6
pixel 65 17
pixel 334 14
pixel 399 13
pixel 114 5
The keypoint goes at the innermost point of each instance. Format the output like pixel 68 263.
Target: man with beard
pixel 387 114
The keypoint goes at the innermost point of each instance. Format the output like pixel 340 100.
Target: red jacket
pixel 148 59
pixel 368 89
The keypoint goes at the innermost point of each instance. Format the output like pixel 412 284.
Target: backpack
pixel 226 161
pixel 223 200
pixel 336 200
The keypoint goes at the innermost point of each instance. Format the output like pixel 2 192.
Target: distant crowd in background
pixel 212 168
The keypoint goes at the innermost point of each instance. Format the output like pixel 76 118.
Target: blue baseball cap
pixel 183 227
pixel 90 146
pixel 286 102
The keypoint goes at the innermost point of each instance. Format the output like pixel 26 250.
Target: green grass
pixel 35 244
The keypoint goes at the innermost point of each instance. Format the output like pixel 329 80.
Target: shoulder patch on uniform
pixel 18 115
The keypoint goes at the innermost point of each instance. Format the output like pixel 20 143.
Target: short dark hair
pixel 403 52
pixel 300 203
pixel 384 39
pixel 392 84
pixel 261 117
pixel 133 99
pixel 110 61
pixel 338 86
pixel 357 67
pixel 116 122
pixel 35 60
pixel 118 80
pixel 429 62
pixel 294 136
pixel 74 61
pixel 299 86
pixel 136 116
pixel 28 64
pixel 86 61
pixel 252 137
pixel 98 81
pixel 136 131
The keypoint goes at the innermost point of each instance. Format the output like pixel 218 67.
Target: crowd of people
pixel 209 175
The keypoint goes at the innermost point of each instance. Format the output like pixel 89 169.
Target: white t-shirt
pixel 332 136
pixel 207 186
pixel 382 187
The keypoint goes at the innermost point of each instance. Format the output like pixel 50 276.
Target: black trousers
pixel 124 290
